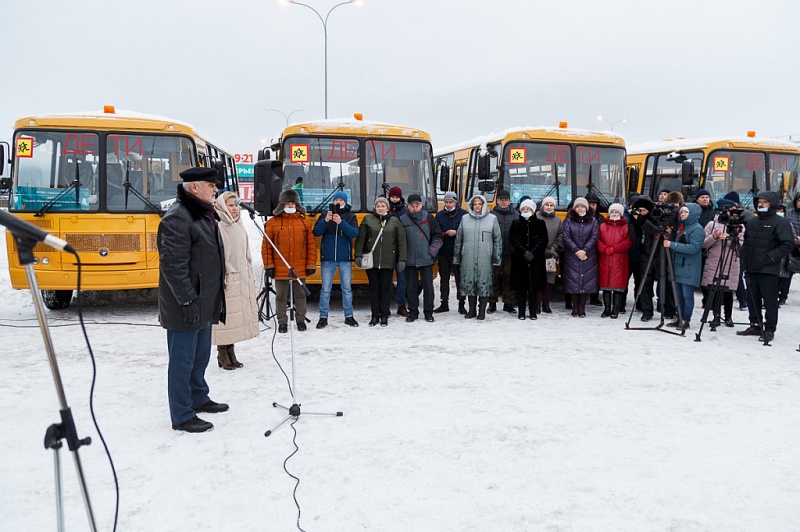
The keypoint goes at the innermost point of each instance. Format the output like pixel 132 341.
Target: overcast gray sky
pixel 457 69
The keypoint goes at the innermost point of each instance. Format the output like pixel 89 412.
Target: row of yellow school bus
pixel 102 180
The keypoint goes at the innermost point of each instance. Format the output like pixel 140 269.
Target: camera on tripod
pixel 664 215
pixel 732 216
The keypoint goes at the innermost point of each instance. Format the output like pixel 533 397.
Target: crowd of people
pixel 513 253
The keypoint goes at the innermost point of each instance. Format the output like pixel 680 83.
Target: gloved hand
pixel 270 272
pixel 401 265
pixel 610 250
pixel 528 256
pixel 310 271
pixel 358 262
pixel 191 312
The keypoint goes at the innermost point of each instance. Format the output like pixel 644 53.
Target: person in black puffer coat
pixel 528 240
pixel 767 240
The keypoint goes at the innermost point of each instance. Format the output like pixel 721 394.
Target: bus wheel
pixel 57 299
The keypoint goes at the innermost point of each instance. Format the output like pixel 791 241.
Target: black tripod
pixel 730 249
pixel 264 306
pixel 666 271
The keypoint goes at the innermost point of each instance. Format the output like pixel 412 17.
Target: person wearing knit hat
pixel 580 258
pixel 449 218
pixel 528 238
pixel 381 235
pixel 613 243
pixel 424 240
pixel 294 237
pixel 501 276
pixel 733 196
pixel 555 247
pixel 338 227
pixel 703 198
pixel 397 208
pixel 646 233
pixel 717 241
pixel 643 202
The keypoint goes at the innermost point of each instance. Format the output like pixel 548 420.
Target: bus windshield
pixel 602 171
pixel 399 164
pixel 62 171
pixel 746 173
pixel 538 171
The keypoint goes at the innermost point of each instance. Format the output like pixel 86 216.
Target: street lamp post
pixel 325 30
pixel 609 122
pixel 284 114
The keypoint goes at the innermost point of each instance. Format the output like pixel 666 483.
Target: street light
pixel 325 30
pixel 284 114
pixel 609 122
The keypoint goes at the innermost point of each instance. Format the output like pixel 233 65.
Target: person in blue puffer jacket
pixel 687 259
pixel 337 229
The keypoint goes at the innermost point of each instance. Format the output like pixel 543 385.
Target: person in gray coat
pixel 478 248
pixel 190 295
pixel 424 240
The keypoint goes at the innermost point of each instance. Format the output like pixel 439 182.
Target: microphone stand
pixel 66 429
pixel 293 412
pixel 264 308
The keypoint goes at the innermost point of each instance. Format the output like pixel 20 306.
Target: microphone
pixel 22 229
pixel 240 203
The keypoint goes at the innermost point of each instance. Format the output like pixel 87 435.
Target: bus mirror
pixel 267 184
pixel 633 179
pixel 687 173
pixel 483 167
pixel 264 154
pixel 5 184
pixel 222 178
pixel 486 185
pixel 444 177
pixel 2 157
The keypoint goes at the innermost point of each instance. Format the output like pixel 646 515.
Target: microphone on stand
pixel 22 229
pixel 240 203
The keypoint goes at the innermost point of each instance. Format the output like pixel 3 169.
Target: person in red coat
pixel 613 244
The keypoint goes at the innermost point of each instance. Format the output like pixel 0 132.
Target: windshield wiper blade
pixel 75 185
pixel 130 188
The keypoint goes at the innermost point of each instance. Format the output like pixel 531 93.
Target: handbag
pixel 550 265
pixel 793 264
pixel 366 261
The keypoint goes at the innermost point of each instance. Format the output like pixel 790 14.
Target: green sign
pixel 245 171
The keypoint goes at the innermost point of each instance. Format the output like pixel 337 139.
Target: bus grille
pixel 112 242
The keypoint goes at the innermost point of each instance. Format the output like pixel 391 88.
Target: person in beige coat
pixel 240 288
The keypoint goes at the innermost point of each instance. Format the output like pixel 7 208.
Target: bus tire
pixel 57 299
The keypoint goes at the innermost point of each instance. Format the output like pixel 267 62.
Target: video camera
pixel 664 214
pixel 732 216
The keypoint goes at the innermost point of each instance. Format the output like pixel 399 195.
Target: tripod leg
pixel 643 281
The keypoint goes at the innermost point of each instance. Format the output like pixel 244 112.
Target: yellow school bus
pixel 362 158
pixel 746 164
pixel 537 162
pixel 101 181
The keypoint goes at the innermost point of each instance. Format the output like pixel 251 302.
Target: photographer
pixel 645 232
pixel 687 250
pixel 338 227
pixel 726 225
pixel 768 239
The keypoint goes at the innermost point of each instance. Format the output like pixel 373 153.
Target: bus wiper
pixel 75 185
pixel 555 187
pixel 591 187
pixel 131 188
pixel 753 191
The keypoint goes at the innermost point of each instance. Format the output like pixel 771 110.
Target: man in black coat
pixel 645 233
pixel 190 295
pixel 768 238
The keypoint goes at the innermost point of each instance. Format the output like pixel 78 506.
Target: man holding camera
pixel 338 227
pixel 646 233
pixel 767 240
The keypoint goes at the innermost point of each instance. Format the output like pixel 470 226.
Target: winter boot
pixel 572 299
pixel 444 307
pixel 582 305
pixel 223 359
pixel 715 322
pixel 606 304
pixel 473 303
pixel 492 308
pixel 617 303
pixel 533 304
pixel 232 356
pixel 402 310
pixel 594 300
pixel 462 309
pixel 482 307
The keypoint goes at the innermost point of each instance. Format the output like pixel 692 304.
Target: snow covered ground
pixel 556 424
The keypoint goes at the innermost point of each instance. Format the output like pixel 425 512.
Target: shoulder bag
pixel 366 261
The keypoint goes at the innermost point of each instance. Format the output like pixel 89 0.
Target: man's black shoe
pixel 647 317
pixel 444 307
pixel 384 322
pixel 509 308
pixel 753 330
pixel 411 317
pixel 462 309
pixel 374 321
pixel 351 321
pixel 212 408
pixel 428 317
pixel 322 323
pixel 194 425
pixel 301 326
pixel 283 328
pixel 492 308
pixel 767 337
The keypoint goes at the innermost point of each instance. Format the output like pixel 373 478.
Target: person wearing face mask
pixel 528 240
pixel 767 240
pixel 555 246
pixel 613 243
pixel 294 237
pixel 580 256
pixel 241 322
pixel 449 219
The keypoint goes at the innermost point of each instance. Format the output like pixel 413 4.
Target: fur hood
pixel 286 196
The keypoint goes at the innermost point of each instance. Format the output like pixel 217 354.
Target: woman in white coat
pixel 241 320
